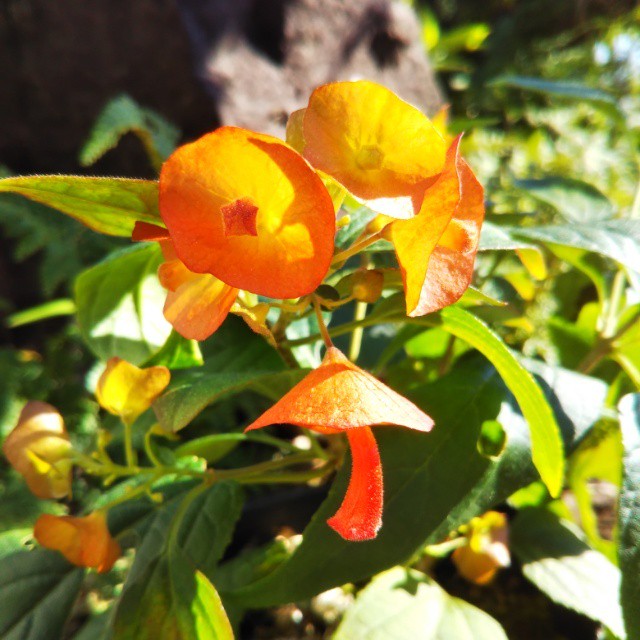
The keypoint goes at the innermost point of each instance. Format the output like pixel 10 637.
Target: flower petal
pixel 371 141
pixel 85 542
pixel 291 250
pixel 339 396
pixel 199 305
pixel 436 249
pixel 360 514
pixel 450 267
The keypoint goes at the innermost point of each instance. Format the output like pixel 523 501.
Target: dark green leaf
pixel 107 205
pixel 190 393
pixel 405 604
pixel 629 513
pixel 567 90
pixel 120 304
pixel 177 353
pixel 565 568
pixel 123 115
pixel 37 591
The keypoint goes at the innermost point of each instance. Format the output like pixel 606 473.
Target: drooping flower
pixel 486 550
pixel 436 249
pixel 379 147
pixel 85 542
pixel 340 397
pixel 197 303
pixel 246 208
pixel 39 449
pixel 128 391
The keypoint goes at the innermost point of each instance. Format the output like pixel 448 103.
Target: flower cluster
pixel 249 226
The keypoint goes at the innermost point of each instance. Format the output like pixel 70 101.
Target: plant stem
pixel 355 248
pixel 356 336
pixel 129 453
pixel 611 315
pixel 322 326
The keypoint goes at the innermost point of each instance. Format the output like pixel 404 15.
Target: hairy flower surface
pixel 85 542
pixel 38 448
pixel 339 396
pixel 436 249
pixel 128 391
pixel 248 209
pixel 379 147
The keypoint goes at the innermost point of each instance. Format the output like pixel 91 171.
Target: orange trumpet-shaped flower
pixel 372 142
pixel 436 249
pixel 85 542
pixel 128 391
pixel 246 208
pixel 38 448
pixel 339 396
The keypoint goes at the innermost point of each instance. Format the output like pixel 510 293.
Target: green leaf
pixel 122 115
pixel 14 540
pixel 629 513
pixel 52 309
pixel 615 239
pixel 37 592
pixel 577 201
pixel 173 601
pixel 405 604
pixel 107 205
pixel 546 442
pixel 497 238
pixel 626 348
pixel 177 353
pixel 567 90
pixel 565 568
pixel 167 590
pixel 120 304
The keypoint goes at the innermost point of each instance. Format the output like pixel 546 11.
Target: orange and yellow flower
pixel 39 449
pixel 340 397
pixel 247 209
pixel 380 148
pixel 128 391
pixel 85 542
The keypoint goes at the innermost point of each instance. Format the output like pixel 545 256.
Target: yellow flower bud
pixel 39 449
pixel 128 391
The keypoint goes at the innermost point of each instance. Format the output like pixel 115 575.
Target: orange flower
pixel 486 549
pixel 339 396
pixel 39 449
pixel 246 208
pixel 436 249
pixel 85 542
pixel 377 146
pixel 128 391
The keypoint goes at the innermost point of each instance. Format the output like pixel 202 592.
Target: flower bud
pixel 39 449
pixel 367 285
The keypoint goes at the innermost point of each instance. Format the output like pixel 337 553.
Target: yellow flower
pixel 39 449
pixel 486 549
pixel 128 391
